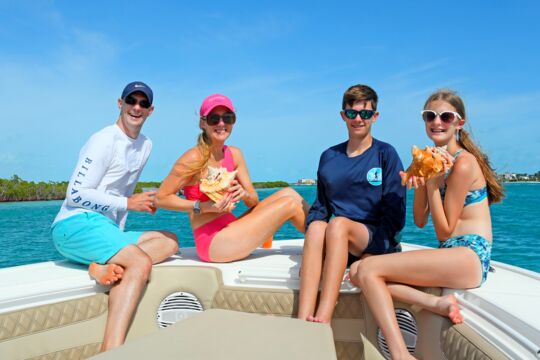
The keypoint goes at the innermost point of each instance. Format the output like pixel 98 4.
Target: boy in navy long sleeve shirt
pixel 360 205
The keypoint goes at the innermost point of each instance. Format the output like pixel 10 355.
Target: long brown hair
pixel 494 187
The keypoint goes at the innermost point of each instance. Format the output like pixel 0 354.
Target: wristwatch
pixel 197 207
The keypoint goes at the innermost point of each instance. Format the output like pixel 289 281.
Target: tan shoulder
pixel 466 170
pixel 190 156
pixel 465 164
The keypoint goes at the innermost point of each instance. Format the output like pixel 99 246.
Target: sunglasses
pixel 351 114
pixel 447 117
pixel 228 118
pixel 130 100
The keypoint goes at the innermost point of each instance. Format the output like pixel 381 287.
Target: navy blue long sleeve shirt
pixel 365 188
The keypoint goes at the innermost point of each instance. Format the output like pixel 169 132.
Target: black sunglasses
pixel 130 100
pixel 447 117
pixel 228 118
pixel 351 114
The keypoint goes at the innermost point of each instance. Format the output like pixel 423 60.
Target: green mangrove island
pixel 17 189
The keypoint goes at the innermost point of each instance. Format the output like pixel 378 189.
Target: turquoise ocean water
pixel 25 238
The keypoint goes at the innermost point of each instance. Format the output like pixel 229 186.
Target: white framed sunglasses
pixel 447 117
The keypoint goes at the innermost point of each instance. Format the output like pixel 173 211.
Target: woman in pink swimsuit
pixel 219 235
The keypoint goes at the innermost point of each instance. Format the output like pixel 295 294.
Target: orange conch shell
pixel 425 163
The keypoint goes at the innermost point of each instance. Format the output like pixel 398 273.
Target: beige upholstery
pixel 223 334
pixel 260 301
pixel 30 321
pixel 79 352
pixel 279 302
pixel 357 350
pixel 349 306
pixel 461 342
pixel 203 282
pixel 66 330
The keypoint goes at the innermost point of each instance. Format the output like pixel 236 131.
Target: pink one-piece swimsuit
pixel 204 234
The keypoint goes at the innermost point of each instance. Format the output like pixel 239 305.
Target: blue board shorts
pixel 91 237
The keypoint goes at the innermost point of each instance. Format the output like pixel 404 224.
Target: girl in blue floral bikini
pixel 459 206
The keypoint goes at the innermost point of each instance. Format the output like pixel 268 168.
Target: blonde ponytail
pixel 196 167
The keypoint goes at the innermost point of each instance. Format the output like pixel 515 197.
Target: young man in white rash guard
pixel 89 227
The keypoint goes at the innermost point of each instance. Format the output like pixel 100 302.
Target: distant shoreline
pixel 18 190
pixel 521 182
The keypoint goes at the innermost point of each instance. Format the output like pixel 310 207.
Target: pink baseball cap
pixel 213 101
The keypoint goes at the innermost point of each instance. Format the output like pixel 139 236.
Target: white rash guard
pixel 107 172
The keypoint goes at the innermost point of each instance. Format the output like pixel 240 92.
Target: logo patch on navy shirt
pixel 374 176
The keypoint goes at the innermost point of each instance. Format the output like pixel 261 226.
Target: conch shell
pixel 217 182
pixel 425 163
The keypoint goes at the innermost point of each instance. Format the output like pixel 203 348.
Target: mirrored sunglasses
pixel 351 114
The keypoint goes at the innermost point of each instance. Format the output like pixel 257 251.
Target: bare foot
pixel 319 320
pixel 312 318
pixel 106 274
pixel 448 306
pixel 324 312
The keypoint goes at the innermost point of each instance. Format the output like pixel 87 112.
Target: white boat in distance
pixel 197 310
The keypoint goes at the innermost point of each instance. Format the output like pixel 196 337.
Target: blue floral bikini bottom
pixel 480 245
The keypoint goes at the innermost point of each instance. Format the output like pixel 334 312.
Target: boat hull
pixel 66 318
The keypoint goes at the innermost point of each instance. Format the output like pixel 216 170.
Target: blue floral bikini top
pixel 473 196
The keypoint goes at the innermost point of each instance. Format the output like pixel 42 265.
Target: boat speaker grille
pixel 177 306
pixel 409 331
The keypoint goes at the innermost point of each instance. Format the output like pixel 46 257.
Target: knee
pixel 144 267
pixel 315 234
pixel 171 243
pixel 172 247
pixel 168 241
pixel 317 227
pixel 365 272
pixel 290 192
pixel 140 264
pixel 339 222
pixel 337 227
pixel 290 205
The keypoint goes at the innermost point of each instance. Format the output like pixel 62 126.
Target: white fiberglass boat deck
pixel 502 318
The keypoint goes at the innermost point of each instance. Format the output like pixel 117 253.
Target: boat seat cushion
pixel 227 334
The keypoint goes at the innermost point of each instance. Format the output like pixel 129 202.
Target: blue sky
pixel 285 64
